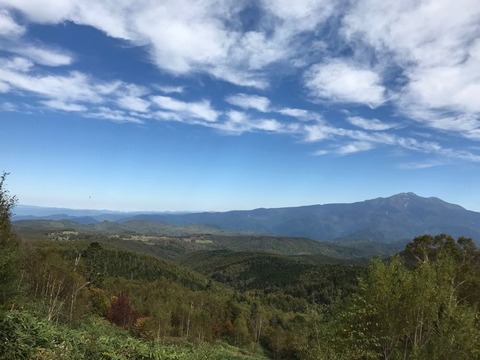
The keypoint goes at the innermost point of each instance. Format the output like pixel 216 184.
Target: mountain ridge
pixel 384 219
pixel 395 218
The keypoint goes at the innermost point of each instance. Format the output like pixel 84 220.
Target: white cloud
pixel 437 45
pixel 56 11
pixel 250 78
pixel 72 87
pixel 246 101
pixel 473 134
pixel 170 89
pixel 465 124
pixel 369 124
pixel 296 113
pixel 166 116
pixel 170 103
pixel 340 81
pixel 8 26
pixel 8 106
pixel 269 125
pixel 238 122
pixel 191 37
pixel 427 32
pixel 419 165
pixel 453 87
pixel 354 147
pixel 345 141
pixel 60 105
pixel 43 56
pixel 4 87
pixel 16 64
pixel 115 115
pixel 303 14
pixel 133 103
pixel 321 152
pixel 199 110
pixel 74 92
pixel 287 22
pixel 130 98
pixel 317 132
pixel 187 37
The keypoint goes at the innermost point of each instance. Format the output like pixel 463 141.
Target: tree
pixel 463 252
pixel 93 258
pixel 9 247
pixel 122 313
pixel 412 313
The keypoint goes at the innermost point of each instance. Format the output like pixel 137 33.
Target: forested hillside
pixel 395 218
pixel 157 239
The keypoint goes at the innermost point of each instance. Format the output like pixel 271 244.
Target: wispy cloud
pixel 104 112
pixel 317 132
pixel 346 149
pixel 238 122
pixel 131 97
pixel 354 147
pixel 133 103
pixel 297 113
pixel 42 55
pixel 420 165
pixel 16 64
pixel 60 105
pixel 8 106
pixel 245 101
pixel 200 109
pixel 170 89
pixel 75 86
pixel 369 124
pixel 71 92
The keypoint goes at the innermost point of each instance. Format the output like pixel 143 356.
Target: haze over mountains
pixel 397 218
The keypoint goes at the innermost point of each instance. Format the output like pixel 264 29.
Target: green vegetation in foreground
pixel 26 336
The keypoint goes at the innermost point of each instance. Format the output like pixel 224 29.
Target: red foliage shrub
pixel 122 313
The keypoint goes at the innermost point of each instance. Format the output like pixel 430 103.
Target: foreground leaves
pixel 25 336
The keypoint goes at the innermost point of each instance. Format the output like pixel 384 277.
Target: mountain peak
pixel 405 195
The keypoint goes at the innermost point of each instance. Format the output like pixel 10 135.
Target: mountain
pixel 397 218
pixel 31 212
pixel 78 219
pixel 394 219
pixel 41 212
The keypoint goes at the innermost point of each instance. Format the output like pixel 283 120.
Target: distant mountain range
pixel 82 216
pixel 397 218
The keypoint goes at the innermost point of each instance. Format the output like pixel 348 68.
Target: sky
pixel 218 105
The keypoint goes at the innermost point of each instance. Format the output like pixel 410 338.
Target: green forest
pixel 94 298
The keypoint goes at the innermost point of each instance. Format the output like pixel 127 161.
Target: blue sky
pixel 220 105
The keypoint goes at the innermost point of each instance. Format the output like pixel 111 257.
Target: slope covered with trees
pixel 396 218
pixel 149 238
